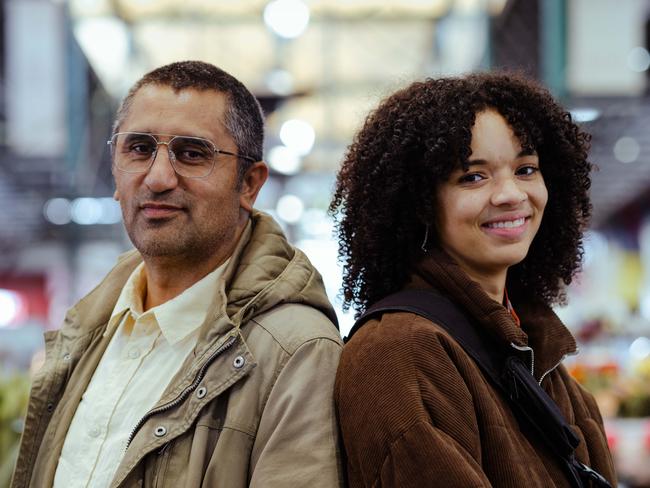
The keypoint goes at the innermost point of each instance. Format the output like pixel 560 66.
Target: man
pixel 206 357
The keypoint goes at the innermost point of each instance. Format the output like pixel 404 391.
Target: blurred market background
pixel 317 67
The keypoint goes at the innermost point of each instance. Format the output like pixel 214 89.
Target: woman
pixel 477 188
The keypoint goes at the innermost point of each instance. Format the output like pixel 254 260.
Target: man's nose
pixel 508 192
pixel 161 175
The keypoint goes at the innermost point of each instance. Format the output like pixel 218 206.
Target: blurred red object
pixel 29 294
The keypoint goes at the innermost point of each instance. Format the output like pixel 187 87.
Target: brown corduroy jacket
pixel 416 411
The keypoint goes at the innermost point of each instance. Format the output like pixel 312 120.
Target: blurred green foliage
pixel 14 393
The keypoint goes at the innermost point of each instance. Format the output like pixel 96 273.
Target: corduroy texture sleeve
pixel 406 415
pixel 426 456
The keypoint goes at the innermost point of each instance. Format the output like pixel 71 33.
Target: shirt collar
pixel 178 317
pixel 508 304
pixel 130 298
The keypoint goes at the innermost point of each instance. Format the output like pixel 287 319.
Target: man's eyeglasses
pixel 191 157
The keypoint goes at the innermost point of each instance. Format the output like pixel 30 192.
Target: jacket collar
pixel 541 329
pixel 264 271
pixel 86 315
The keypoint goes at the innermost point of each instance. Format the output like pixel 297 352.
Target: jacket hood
pixel 267 271
pixel 264 271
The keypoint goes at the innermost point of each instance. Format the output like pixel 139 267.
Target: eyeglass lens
pixel 191 156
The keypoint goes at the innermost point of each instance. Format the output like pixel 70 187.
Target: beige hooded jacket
pixel 252 406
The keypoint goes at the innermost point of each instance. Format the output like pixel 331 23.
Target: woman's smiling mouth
pixel 509 228
pixel 506 224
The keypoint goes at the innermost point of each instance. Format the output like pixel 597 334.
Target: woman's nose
pixel 508 192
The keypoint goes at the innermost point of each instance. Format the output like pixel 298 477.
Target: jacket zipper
pixel 532 355
pixel 558 363
pixel 532 360
pixel 185 393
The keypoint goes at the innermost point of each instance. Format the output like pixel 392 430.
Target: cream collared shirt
pixel 146 351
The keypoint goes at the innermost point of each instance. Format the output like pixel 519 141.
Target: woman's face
pixel 489 214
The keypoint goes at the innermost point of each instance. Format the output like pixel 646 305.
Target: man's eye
pixel 192 153
pixel 142 148
pixel 139 147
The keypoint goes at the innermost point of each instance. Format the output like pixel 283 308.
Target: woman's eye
pixel 471 178
pixel 527 170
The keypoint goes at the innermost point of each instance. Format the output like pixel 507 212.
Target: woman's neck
pixel 493 284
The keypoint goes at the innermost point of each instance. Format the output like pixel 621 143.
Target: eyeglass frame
pixel 170 153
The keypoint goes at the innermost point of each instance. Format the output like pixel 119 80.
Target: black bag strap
pixel 530 403
pixel 442 311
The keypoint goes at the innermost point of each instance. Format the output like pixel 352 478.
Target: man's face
pixel 167 215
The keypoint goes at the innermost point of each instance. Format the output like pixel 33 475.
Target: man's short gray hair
pixel 243 119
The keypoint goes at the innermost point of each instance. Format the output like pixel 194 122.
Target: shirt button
pixel 134 353
pixel 239 362
pixel 94 432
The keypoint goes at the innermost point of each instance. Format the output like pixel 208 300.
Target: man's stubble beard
pixel 184 240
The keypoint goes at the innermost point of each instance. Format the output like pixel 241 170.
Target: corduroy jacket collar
pixel 541 329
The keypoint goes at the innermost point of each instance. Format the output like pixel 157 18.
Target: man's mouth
pixel 159 210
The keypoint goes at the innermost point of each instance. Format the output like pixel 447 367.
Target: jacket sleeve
pixel 407 416
pixel 426 456
pixel 297 440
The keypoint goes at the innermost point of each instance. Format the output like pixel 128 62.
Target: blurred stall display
pixel 621 386
pixel 609 313
pixel 629 441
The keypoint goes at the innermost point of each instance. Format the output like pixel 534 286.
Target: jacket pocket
pixel 182 462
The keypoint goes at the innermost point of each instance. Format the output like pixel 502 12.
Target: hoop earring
pixel 426 238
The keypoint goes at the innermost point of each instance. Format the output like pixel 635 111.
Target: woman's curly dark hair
pixel 385 191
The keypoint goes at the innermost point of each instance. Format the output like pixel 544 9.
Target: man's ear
pixel 116 194
pixel 251 184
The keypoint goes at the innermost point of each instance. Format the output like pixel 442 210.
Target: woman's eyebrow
pixel 527 152
pixel 522 153
pixel 476 162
